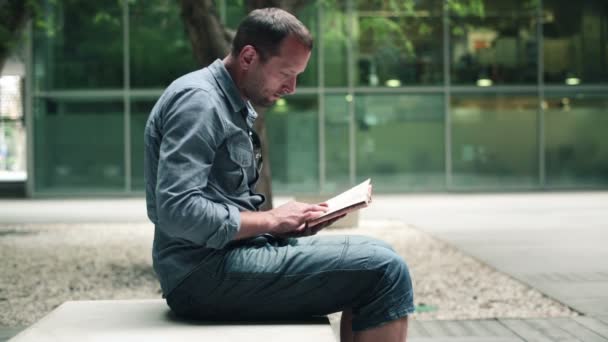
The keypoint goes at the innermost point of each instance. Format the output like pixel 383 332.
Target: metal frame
pixel 541 97
pixel 321 97
pixel 28 110
pixel 350 72
pixel 447 105
pixel 126 95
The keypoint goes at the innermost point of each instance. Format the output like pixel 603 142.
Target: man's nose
pixel 290 86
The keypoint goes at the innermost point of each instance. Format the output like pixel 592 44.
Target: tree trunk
pixel 264 185
pixel 209 39
pixel 13 14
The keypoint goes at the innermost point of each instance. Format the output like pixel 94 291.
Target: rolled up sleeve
pixel 191 131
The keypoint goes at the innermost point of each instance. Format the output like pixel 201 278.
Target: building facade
pixel 463 95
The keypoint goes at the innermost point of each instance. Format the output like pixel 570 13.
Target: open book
pixel 352 199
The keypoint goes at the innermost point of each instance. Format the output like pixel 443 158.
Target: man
pixel 216 255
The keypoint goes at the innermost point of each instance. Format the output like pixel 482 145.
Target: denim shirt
pixel 199 170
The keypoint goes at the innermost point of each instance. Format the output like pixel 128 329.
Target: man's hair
pixel 265 29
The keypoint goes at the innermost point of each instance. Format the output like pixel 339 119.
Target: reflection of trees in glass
pixel 399 41
pixel 493 41
pixel 83 46
pixel 160 50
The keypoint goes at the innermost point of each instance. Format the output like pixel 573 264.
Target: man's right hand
pixel 288 219
pixel 291 217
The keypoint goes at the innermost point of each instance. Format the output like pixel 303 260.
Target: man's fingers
pixel 317 207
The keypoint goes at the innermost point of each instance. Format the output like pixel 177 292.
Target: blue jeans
pixel 268 279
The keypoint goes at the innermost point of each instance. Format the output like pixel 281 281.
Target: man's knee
pixel 394 270
pixel 370 241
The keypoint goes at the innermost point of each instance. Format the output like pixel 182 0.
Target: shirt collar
pixel 226 83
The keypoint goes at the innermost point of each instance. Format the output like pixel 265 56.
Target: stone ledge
pixel 151 320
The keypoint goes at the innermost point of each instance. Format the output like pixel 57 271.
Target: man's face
pixel 268 80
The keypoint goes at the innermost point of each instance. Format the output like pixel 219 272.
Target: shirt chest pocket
pixel 233 175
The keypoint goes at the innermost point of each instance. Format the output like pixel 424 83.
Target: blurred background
pixel 422 96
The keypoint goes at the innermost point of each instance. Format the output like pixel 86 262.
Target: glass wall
pixel 79 45
pixel 463 95
pixel 291 128
pixel 494 141
pixel 576 149
pixel 398 43
pixel 79 145
pixel 400 141
pixel 493 42
pixel 575 42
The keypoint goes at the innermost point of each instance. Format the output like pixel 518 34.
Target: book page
pixel 352 199
pixel 355 195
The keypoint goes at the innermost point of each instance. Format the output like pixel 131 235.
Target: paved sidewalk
pixel 555 242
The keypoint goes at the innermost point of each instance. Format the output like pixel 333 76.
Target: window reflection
pixel 335 43
pixel 79 45
pixel 140 110
pixel 400 141
pixel 493 42
pixel 575 41
pixel 292 131
pixel 160 50
pixel 576 149
pixel 337 151
pixel 399 43
pixel 494 141
pixel 79 146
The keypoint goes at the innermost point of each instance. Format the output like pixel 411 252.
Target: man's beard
pixel 256 97
pixel 259 100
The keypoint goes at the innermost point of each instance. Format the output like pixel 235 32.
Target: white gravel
pixel 44 265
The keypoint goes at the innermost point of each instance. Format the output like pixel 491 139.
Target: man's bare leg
pixel 346 326
pixel 395 331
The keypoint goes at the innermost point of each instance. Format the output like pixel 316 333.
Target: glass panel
pixel 576 148
pixel 494 141
pixel 79 146
pixel 400 141
pixel 79 45
pixel 293 138
pixel 12 150
pixel 337 151
pixel 575 41
pixel 335 43
pixel 493 42
pixel 159 46
pixel 308 16
pixel 399 42
pixel 12 130
pixel 140 110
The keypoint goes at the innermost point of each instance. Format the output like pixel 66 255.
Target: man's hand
pixel 312 230
pixel 290 218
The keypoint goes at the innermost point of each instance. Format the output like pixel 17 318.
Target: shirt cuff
pixel 228 229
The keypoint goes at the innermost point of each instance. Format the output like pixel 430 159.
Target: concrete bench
pixel 151 320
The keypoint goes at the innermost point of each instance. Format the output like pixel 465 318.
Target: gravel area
pixel 44 265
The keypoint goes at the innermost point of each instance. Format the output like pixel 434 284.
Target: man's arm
pixel 288 219
pixel 191 130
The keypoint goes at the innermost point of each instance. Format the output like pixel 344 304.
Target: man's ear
pixel 247 57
